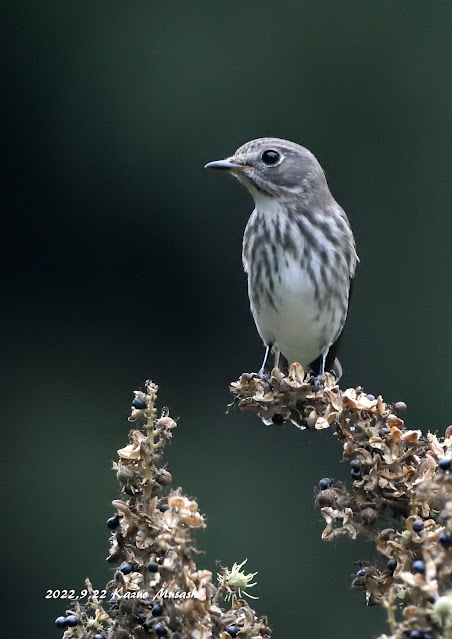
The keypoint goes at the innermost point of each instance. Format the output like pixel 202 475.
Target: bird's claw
pixel 316 382
pixel 261 375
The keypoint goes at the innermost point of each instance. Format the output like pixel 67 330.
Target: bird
pixel 298 252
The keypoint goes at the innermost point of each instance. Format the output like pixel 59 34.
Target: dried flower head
pixel 399 495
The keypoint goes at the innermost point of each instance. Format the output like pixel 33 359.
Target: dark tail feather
pixel 337 368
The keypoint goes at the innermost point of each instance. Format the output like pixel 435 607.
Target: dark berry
pixel 278 419
pixel 444 464
pixel 355 473
pixel 384 430
pixel 157 610
pixel 416 634
pixel 113 522
pixel 370 397
pixel 160 630
pixel 400 407
pixel 392 565
pixel 163 508
pixel 126 569
pixel 325 483
pixel 99 636
pixel 60 622
pixel 445 539
pixel 361 572
pixel 355 463
pixel 138 403
pixel 233 631
pixel 71 621
pixel 418 526
pixel 418 566
pixel 153 566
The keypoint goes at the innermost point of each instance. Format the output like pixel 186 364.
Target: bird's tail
pixel 337 368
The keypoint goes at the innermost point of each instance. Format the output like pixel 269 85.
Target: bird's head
pixel 272 167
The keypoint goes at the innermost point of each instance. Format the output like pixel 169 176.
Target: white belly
pixel 292 323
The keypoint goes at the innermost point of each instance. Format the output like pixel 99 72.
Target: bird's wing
pixel 332 362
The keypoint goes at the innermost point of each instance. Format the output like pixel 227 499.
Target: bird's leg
pixel 261 372
pixel 277 358
pixel 322 363
pixel 317 380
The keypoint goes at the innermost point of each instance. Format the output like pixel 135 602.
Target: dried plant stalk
pixel 157 589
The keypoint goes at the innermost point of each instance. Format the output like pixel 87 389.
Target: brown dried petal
pixel 326 534
pixel 370 481
pixel 176 501
pixel 134 450
pixel 131 452
pixel 296 375
pixel 381 406
pixel 410 611
pixel 330 514
pixel 366 457
pixel 133 581
pixel 384 538
pixel 195 520
pixel 426 470
pixel 334 399
pixel 377 442
pixel 350 530
pixel 411 436
pixel 261 396
pixel 321 423
pixel 143 540
pixel 394 422
pixel 357 401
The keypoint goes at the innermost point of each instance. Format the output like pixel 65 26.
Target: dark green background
pixel 122 261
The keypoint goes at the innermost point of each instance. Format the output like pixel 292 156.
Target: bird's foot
pixel 261 374
pixel 317 382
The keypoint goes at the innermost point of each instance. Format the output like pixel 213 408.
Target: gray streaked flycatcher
pixel 298 252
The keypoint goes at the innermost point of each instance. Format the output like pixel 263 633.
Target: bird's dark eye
pixel 270 157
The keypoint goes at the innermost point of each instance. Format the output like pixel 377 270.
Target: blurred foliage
pixel 122 262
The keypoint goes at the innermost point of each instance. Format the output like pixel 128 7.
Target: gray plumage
pixel 298 251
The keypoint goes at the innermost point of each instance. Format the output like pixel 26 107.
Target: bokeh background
pixel 121 261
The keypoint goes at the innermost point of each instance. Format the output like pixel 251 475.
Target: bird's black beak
pixel 229 164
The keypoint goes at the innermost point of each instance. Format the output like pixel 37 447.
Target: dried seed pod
pixel 327 497
pixel 163 477
pixel 369 516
